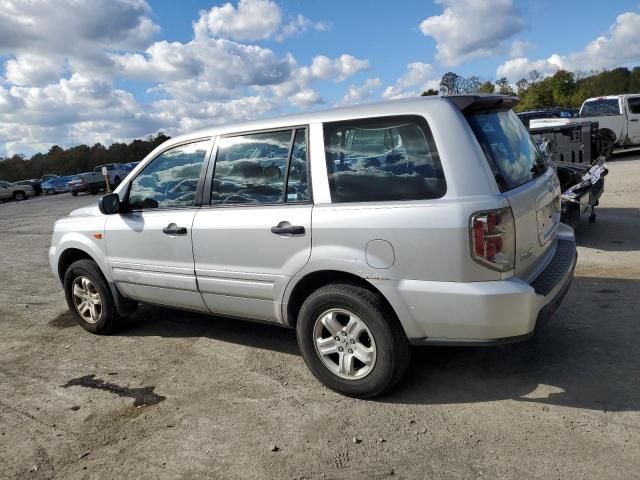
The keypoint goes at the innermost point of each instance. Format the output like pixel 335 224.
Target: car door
pixel 256 232
pixel 633 114
pixel 149 245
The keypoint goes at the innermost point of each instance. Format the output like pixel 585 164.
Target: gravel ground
pixel 229 399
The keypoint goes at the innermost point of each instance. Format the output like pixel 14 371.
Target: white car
pixel 368 229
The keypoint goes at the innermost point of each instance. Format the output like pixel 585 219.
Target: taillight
pixel 493 239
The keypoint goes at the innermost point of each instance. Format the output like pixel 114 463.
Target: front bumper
pixel 488 313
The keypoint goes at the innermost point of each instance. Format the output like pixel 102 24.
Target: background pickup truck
pixel 93 182
pixel 618 118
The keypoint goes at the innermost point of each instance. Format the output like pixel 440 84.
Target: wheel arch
pixel 71 255
pixel 312 281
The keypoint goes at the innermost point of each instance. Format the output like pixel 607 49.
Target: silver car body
pixel 415 253
pixel 8 190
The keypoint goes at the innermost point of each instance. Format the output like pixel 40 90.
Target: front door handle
pixel 633 120
pixel 173 229
pixel 286 228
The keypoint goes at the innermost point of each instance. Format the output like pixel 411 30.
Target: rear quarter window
pixel 382 159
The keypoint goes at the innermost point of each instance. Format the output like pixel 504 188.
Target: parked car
pixel 11 191
pixel 618 118
pixel 131 165
pixel 93 182
pixel 37 187
pixel 368 229
pixel 56 185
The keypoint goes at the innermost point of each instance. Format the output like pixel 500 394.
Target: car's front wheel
pixel 351 341
pixel 89 298
pixel 19 196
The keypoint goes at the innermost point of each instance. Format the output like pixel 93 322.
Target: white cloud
pixel 519 48
pixel 360 93
pixel 250 20
pixel 34 70
pixel 306 98
pixel 417 78
pixel 71 111
pixel 469 29
pixel 253 20
pixel 619 47
pixel 299 25
pixel 339 69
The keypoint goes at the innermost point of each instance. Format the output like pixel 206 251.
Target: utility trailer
pixel 576 149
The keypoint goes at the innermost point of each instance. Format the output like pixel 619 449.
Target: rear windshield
pixel 512 154
pixel 597 108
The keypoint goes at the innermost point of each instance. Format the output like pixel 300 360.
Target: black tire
pixel 109 320
pixel 393 350
pixel 19 196
pixel 74 194
pixel 50 191
pixel 606 146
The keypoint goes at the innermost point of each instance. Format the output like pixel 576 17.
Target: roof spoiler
pixel 483 102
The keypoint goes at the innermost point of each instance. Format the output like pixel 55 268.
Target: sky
pixel 86 71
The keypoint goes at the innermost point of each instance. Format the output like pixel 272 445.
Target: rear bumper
pixel 489 313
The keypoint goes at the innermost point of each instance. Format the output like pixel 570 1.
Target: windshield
pixel 597 108
pixel 512 154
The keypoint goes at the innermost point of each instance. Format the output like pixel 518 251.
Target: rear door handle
pixel 633 120
pixel 286 228
pixel 173 229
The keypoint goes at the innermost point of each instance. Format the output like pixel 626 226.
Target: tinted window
pixel 171 179
pixel 603 107
pixel 251 168
pixel 513 156
pixel 634 104
pixel 382 160
pixel 297 185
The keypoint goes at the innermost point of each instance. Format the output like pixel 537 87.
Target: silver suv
pixel 368 229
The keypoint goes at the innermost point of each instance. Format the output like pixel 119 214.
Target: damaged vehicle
pixel 368 229
pixel 578 155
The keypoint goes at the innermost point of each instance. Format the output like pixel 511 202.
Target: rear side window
pixel 596 108
pixel 259 168
pixel 512 155
pixel 384 159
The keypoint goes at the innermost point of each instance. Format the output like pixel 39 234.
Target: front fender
pixel 80 241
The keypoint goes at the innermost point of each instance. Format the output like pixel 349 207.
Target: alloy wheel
pixel 344 343
pixel 86 299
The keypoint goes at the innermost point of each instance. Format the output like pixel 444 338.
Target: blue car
pixel 56 185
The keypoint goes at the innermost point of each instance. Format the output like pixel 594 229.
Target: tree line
pixel 78 159
pixel 563 89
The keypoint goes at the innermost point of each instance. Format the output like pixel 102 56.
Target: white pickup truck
pixel 93 182
pixel 618 118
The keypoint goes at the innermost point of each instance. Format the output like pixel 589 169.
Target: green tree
pixel 503 87
pixel 450 83
pixel 429 92
pixel 487 87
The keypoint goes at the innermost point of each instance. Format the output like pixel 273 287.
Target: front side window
pixel 252 168
pixel 383 159
pixel 171 179
pixel 597 108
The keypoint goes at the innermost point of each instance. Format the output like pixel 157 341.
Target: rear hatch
pixel 525 178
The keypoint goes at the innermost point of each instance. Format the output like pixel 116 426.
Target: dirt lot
pixel 565 404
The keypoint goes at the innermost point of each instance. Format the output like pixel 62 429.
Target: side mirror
pixel 109 204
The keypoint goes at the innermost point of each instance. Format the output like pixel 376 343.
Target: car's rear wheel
pixel 351 341
pixel 50 191
pixel 74 194
pixel 89 298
